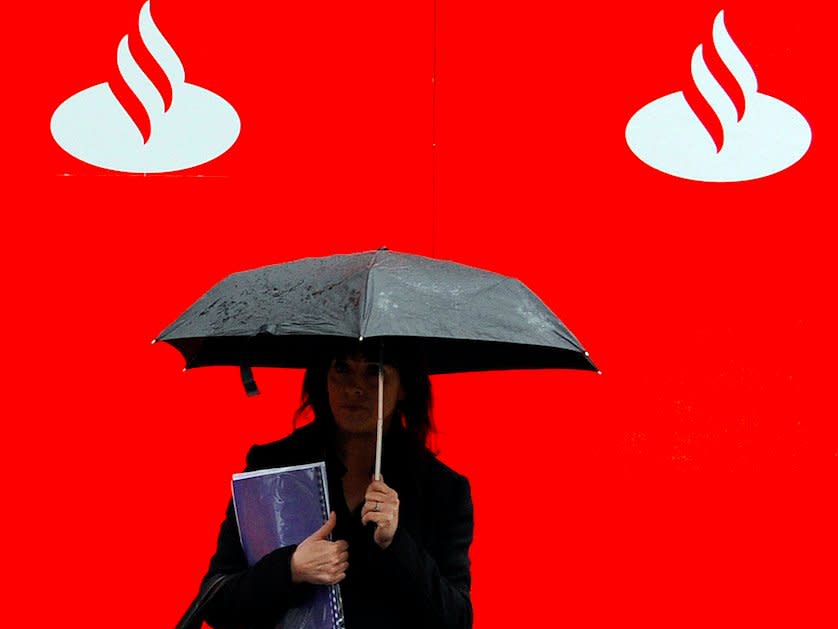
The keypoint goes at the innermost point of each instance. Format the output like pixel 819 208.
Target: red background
pixel 692 483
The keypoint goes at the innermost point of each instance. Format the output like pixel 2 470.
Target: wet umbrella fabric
pixel 463 318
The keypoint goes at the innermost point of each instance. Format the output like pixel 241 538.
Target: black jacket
pixel 421 580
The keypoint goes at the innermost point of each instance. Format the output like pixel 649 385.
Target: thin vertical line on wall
pixel 433 136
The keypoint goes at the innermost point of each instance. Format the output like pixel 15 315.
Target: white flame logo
pixel 719 133
pixel 158 123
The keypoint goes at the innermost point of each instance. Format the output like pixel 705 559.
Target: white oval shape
pixel 93 127
pixel 667 135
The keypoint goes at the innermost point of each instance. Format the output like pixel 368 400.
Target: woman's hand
pixel 382 507
pixel 319 561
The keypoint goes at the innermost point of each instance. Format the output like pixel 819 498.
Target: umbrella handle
pixel 379 427
pixel 379 431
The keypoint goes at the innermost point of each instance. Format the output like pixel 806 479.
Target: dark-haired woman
pixel 399 546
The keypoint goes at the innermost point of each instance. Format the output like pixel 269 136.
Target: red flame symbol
pixel 154 71
pixel 720 71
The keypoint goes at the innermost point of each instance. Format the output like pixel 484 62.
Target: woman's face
pixel 352 383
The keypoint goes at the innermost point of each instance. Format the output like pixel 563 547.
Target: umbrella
pixel 467 319
pixel 464 318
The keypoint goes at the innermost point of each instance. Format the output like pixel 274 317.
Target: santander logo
pixel 726 130
pixel 158 123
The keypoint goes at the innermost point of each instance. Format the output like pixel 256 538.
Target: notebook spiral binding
pixel 335 600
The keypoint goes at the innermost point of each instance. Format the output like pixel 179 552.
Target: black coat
pixel 422 580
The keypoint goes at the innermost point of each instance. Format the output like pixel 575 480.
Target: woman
pixel 399 546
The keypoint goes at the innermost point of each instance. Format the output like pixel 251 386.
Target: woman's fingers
pixel 380 496
pixel 387 510
pixel 380 486
pixel 381 506
pixel 383 520
pixel 375 496
pixel 320 561
pixel 337 570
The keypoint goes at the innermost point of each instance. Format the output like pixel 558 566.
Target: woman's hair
pixel 412 414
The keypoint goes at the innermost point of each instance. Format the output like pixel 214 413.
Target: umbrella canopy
pixel 463 318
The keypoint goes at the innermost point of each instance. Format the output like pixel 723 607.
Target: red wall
pixel 692 483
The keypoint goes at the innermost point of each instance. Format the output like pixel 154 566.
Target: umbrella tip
pixel 587 354
pixel 360 338
pixel 598 372
pixel 153 341
pixel 183 370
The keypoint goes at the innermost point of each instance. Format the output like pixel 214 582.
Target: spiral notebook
pixel 282 506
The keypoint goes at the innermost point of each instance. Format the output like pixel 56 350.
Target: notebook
pixel 279 507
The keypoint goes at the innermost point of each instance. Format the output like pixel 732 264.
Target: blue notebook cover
pixel 279 507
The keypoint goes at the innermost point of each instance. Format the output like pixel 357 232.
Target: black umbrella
pixel 463 318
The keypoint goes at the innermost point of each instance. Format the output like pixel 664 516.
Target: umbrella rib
pixel 362 324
